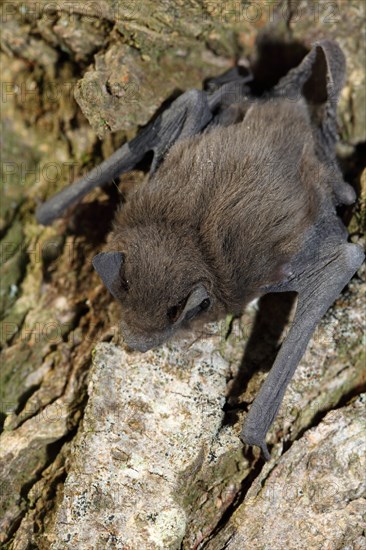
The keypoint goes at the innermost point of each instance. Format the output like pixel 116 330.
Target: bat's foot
pixel 251 437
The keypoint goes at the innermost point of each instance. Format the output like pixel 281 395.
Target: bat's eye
pixel 175 311
pixel 205 304
pixel 124 284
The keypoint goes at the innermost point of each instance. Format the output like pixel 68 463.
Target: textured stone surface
pixel 315 495
pixel 148 426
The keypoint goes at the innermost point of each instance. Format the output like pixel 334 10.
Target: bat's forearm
pixel 318 287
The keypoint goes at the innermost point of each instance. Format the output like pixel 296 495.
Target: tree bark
pixel 105 449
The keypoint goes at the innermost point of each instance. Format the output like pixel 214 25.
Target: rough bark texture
pixel 105 449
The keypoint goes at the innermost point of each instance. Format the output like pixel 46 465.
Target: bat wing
pixel 319 80
pixel 326 261
pixel 318 283
pixel 188 115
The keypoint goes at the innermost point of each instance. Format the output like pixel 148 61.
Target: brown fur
pixel 227 209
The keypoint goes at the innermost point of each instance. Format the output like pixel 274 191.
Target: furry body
pixel 229 208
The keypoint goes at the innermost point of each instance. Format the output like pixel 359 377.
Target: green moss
pixel 11 273
pixel 204 485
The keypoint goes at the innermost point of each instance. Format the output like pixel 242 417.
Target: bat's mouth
pixel 139 346
pixel 143 342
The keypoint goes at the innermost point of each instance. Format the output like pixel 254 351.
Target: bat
pixel 240 201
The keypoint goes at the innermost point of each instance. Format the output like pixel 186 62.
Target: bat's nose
pixel 140 342
pixel 138 346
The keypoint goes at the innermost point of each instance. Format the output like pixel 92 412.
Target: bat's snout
pixel 143 342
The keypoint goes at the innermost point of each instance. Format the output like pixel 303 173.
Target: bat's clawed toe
pixel 251 436
pixel 265 451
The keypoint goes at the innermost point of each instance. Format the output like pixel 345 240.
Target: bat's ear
pixel 199 300
pixel 108 266
pixel 319 79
